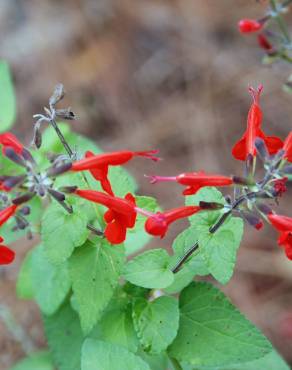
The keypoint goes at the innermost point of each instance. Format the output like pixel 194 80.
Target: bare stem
pixel 280 21
pixel 62 138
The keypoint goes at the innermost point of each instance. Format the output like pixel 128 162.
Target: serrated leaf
pixel 7 98
pixel 150 269
pixel 95 271
pixel 50 283
pixel 36 361
pixel 137 237
pixel 219 249
pixel 117 327
pixel 194 266
pixel 99 355
pixel 152 322
pixel 62 232
pixel 65 338
pixel 217 331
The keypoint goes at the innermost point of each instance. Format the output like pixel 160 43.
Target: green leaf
pixel 213 332
pixel 24 285
pixel 95 271
pixel 155 362
pixel 36 361
pixel 152 322
pixel 7 98
pixel 65 338
pixel 150 269
pixel 50 283
pixel 117 327
pixel 194 266
pixel 98 355
pixel 62 232
pixel 217 249
pixel 137 237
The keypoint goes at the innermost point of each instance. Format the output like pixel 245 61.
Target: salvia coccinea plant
pixel 272 34
pixel 104 309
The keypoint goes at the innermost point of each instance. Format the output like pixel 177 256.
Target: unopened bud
pixel 26 154
pixel 13 181
pixel 60 197
pixel 13 156
pixel 25 210
pixel 262 149
pixel 211 205
pixel 23 198
pixel 68 189
pixel 264 208
pixel 37 137
pixel 253 220
pixel 58 170
pixel 242 180
pixel 287 170
pixel 65 114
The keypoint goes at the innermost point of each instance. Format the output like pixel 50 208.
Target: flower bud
pixel 252 219
pixel 68 189
pixel 65 114
pixel 23 198
pixel 262 149
pixel 58 170
pixel 60 197
pixel 262 207
pixel 211 205
pixel 13 156
pixel 58 94
pixel 249 25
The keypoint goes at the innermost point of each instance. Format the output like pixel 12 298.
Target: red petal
pixel 156 227
pixel 190 190
pixel 273 144
pixel 8 139
pixel 6 255
pixel 115 233
pixel 239 150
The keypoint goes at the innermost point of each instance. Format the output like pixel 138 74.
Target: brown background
pixel 146 74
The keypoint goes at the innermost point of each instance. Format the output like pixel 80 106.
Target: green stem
pixel 280 21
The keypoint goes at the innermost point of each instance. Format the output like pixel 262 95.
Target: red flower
pixel 6 254
pixel 287 147
pixel 264 43
pixel 249 25
pixel 98 164
pixel 280 186
pixel 195 180
pixel 6 213
pixel 158 223
pixel 9 140
pixel 246 145
pixel 120 216
pixel 284 225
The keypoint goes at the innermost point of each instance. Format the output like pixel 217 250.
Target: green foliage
pixel 36 361
pixel 150 269
pixel 196 264
pixel 212 326
pixel 99 355
pixel 7 98
pixel 24 285
pixel 62 232
pixel 152 322
pixel 217 249
pixel 95 270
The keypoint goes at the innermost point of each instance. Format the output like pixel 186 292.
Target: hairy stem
pixel 280 21
pixel 62 138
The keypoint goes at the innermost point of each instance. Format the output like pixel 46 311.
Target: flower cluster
pixel 121 214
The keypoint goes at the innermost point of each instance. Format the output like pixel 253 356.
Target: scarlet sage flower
pixel 279 186
pixel 6 254
pixel 287 147
pixel 194 180
pixel 158 223
pixel 246 145
pixel 120 216
pixel 8 140
pixel 284 225
pixel 6 213
pixel 98 164
pixel 249 25
pixel 264 43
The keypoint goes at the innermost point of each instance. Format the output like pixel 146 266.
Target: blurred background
pixel 143 74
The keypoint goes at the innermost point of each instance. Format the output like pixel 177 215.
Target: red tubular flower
pixel 120 216
pixel 280 186
pixel 246 145
pixel 9 140
pixel 264 43
pixel 6 213
pixel 98 164
pixel 194 180
pixel 6 254
pixel 249 25
pixel 158 223
pixel 287 147
pixel 284 225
